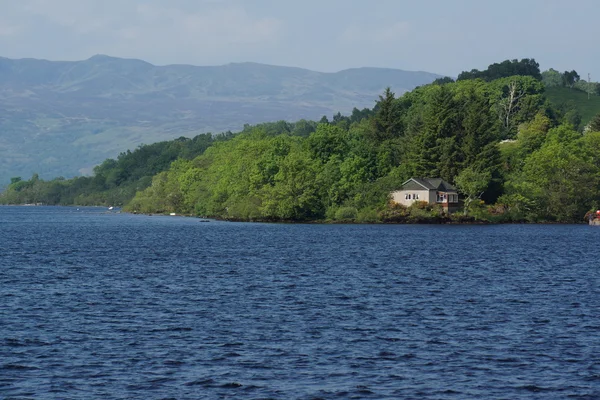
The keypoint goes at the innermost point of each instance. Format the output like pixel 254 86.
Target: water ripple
pixel 96 305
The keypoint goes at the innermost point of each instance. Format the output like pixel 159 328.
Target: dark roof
pixel 433 184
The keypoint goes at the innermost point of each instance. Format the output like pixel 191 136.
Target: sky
pixel 440 36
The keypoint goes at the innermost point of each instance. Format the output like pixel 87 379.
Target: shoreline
pixel 444 221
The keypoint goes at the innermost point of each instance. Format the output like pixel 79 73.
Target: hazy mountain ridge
pixel 63 117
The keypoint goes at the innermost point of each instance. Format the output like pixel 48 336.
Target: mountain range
pixel 62 118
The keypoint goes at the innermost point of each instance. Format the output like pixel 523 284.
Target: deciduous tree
pixel 472 184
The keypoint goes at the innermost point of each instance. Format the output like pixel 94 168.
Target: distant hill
pixel 62 118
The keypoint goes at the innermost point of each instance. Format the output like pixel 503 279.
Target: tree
pixel 593 125
pixel 517 100
pixel 473 74
pixel 532 135
pixel 507 106
pixel 524 67
pixel 552 78
pixel 326 141
pixel 472 184
pixel 557 181
pixel 294 196
pixel 337 118
pixel 386 121
pixel 570 78
pixel 359 115
pixel 432 148
pixel 304 128
pixel 443 80
pixel 479 128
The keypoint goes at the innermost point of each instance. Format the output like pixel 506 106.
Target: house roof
pixel 433 184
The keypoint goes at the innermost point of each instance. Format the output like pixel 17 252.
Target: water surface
pixel 105 305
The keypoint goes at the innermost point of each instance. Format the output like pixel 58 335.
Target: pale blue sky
pixel 442 36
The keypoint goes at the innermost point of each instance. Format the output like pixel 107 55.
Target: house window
pixel 407 197
pixel 441 197
pixel 416 196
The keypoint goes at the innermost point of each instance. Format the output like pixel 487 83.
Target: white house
pixel 429 190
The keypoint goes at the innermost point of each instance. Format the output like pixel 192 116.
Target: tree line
pixel 513 155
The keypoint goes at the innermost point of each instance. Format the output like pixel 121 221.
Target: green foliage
pixel 590 88
pixel 570 78
pixel 552 78
pixel 472 183
pixel 386 122
pixel 367 216
pixel 451 127
pixel 327 141
pixel 417 213
pixel 516 99
pixel 443 81
pixel 559 181
pixel 524 67
pixel 346 214
pixel 532 135
pixel 115 182
pixel 564 100
pixel 594 124
pixel 346 168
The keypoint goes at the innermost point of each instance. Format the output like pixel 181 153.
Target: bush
pixel 346 214
pixel 420 205
pixel 418 213
pixel 367 215
pixel 394 213
pixel 245 209
pixel 461 218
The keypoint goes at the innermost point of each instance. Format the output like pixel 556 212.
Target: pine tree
pixel 387 122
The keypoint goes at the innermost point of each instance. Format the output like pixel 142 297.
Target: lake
pixel 106 305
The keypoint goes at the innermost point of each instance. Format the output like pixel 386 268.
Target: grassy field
pixel 587 108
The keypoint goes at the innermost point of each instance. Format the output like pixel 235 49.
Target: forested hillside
pixel 513 154
pixel 115 181
pixel 570 93
pixel 62 118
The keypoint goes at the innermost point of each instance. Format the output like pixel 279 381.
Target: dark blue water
pixel 96 305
